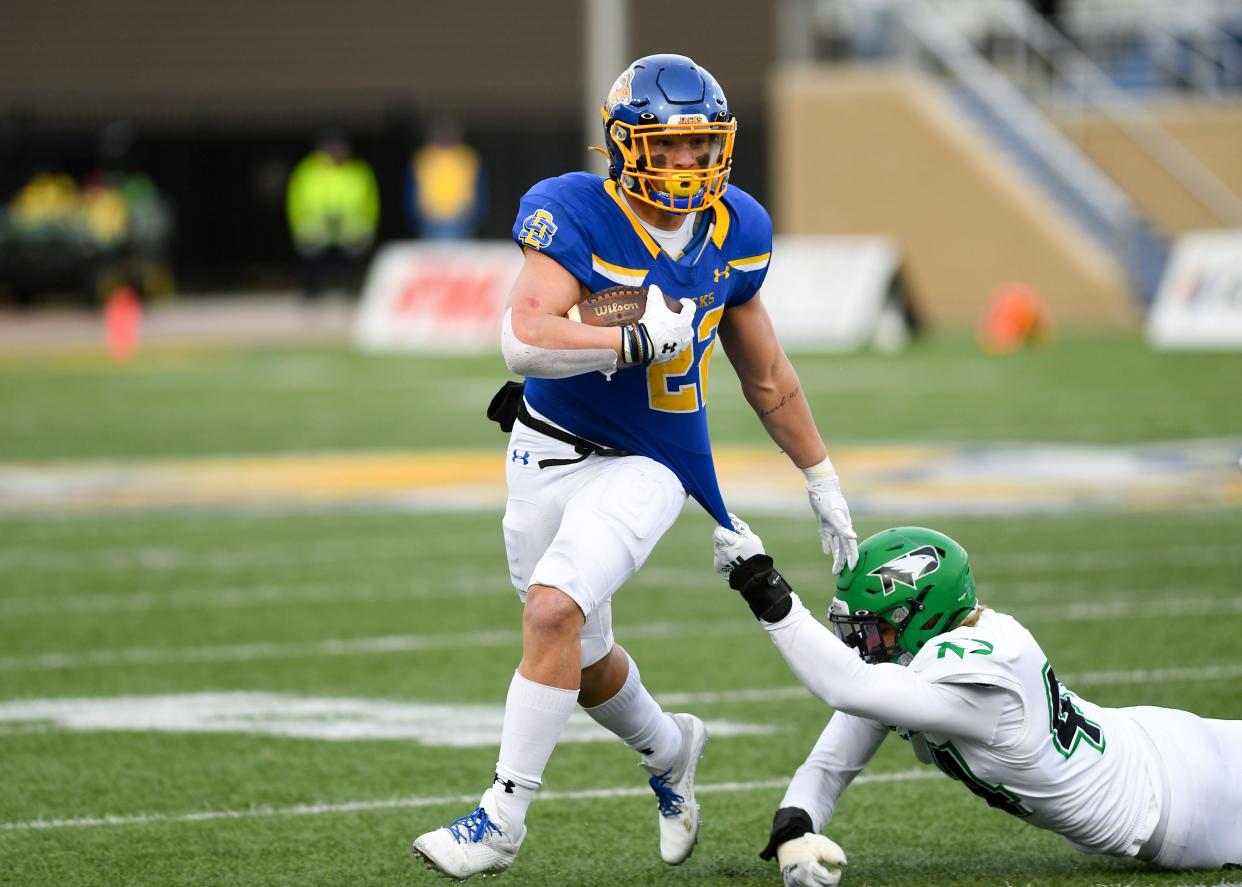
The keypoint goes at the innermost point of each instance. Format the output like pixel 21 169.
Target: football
pixel 615 306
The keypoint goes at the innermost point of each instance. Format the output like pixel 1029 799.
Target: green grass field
pixel 109 608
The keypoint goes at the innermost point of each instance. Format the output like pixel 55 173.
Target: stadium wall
pixel 268 63
pixel 226 97
pixel 882 151
pixel 1212 133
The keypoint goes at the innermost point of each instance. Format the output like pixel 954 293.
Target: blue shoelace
pixel 471 828
pixel 668 799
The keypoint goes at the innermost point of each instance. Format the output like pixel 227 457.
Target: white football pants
pixel 583 528
pixel 1202 762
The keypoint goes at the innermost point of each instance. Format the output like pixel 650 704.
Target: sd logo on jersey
pixel 538 229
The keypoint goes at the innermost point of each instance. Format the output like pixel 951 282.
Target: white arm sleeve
pixel 888 693
pixel 842 750
pixel 551 363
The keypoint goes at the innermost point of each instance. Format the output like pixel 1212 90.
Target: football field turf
pixel 289 691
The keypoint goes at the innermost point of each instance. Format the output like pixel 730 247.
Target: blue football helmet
pixel 660 96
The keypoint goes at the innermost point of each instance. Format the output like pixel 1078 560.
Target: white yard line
pixel 172 557
pixel 1133 608
pixel 493 583
pixel 444 801
pixel 248 597
pixel 70 606
pixel 166 558
pixel 1188 674
pixel 333 647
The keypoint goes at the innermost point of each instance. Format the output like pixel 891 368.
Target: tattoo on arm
pixel 785 398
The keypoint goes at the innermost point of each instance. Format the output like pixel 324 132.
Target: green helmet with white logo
pixel 913 579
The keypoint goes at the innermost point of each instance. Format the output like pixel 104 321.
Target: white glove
pixel 734 546
pixel 810 861
pixel 836 530
pixel 665 334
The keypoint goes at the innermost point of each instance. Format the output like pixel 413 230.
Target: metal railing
pixel 1188 42
pixel 927 40
pixel 1069 75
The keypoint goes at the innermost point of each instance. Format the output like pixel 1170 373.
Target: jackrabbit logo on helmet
pixel 621 92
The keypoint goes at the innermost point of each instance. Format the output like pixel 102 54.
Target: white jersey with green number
pixel 1056 760
pixel 985 706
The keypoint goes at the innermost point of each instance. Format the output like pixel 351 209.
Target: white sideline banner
pixel 436 297
pixel 823 293
pixel 831 293
pixel 1199 302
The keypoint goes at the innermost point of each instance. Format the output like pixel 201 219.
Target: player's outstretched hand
pixel 810 861
pixel 836 530
pixel 667 333
pixel 734 546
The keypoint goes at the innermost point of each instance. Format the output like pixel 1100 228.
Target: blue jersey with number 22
pixel 659 411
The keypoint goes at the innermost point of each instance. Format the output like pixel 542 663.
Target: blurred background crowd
pixel 236 147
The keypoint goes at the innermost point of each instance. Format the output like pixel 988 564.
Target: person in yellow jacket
pixel 332 204
pixel 445 189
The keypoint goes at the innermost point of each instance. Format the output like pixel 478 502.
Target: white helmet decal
pixel 906 569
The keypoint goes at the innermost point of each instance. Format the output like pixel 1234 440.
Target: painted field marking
pixel 492 582
pixel 979 479
pixel 158 559
pixel 331 647
pixel 1135 608
pixel 445 801
pixel 330 719
pixel 70 606
pixel 249 597
pixel 1171 675
pixel 439 724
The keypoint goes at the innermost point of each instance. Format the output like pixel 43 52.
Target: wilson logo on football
pixel 605 310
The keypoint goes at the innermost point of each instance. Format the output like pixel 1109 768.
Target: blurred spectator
pixel 112 231
pixel 332 204
pixel 445 190
pixel 130 222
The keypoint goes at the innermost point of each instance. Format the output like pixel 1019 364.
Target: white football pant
pixel 583 528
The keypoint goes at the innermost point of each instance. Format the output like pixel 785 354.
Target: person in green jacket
pixel 332 204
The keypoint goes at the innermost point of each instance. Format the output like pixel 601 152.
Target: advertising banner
pixel 1199 302
pixel 823 293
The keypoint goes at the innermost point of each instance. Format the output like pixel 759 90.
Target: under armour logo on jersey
pixel 668 348
pixel 907 569
pixel 508 784
pixel 538 229
pixel 525 457
pixel 721 273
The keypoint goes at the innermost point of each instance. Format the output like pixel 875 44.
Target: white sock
pixel 635 716
pixel 535 716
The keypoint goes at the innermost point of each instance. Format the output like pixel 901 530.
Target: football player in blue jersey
pixel 609 432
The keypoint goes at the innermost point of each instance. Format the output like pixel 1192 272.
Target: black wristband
pixel 764 589
pixel 787 824
pixel 647 349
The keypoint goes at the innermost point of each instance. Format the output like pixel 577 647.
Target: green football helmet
pixel 916 580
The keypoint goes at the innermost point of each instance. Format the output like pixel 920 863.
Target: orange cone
pixel 122 323
pixel 1015 317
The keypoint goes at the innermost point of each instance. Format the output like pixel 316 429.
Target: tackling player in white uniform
pixel 911 650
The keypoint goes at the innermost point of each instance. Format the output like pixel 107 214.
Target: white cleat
pixel 472 845
pixel 674 788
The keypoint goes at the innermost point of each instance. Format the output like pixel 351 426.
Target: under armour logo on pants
pixel 525 457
